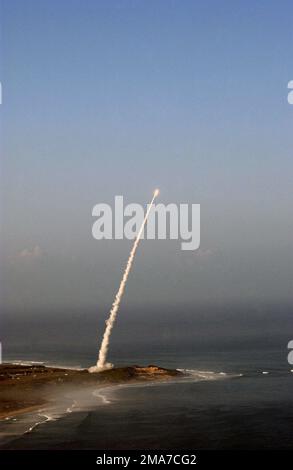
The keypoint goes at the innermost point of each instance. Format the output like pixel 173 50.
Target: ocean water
pixel 237 399
pixel 239 396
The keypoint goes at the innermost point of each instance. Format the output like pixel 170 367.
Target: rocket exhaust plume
pixel 102 363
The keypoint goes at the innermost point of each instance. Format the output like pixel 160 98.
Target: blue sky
pixel 102 98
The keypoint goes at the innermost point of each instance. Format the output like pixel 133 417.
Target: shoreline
pixel 25 388
pixel 16 412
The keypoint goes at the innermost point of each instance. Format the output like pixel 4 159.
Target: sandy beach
pixel 25 388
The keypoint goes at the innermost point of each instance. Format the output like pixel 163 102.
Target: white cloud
pixel 35 252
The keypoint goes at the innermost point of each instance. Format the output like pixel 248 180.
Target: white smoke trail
pixel 101 363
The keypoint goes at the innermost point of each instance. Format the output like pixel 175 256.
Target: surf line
pixel 43 421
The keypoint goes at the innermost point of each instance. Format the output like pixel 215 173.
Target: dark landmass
pixel 25 388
